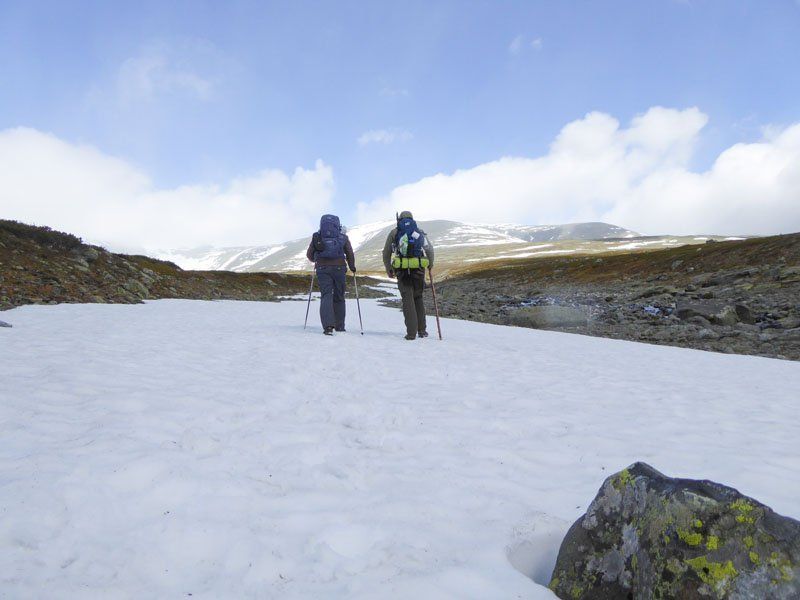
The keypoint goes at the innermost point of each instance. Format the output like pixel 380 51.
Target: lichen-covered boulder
pixel 649 536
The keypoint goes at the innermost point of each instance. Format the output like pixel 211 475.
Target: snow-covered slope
pixel 219 450
pixel 462 241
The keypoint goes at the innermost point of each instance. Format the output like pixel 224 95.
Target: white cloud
pixel 186 68
pixel 144 77
pixel 515 47
pixel 519 43
pixel 384 136
pixel 106 200
pixel 636 176
pixel 394 92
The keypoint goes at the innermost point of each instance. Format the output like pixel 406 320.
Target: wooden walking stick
pixel 435 303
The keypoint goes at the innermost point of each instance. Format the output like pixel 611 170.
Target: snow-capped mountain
pixel 455 243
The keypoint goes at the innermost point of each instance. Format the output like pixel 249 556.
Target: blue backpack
pixel 410 241
pixel 331 237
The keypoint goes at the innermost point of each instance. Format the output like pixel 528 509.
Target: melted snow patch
pixel 534 545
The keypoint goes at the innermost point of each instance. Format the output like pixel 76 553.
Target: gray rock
pixel 646 535
pixel 4 324
pixel 789 322
pixel 699 321
pixel 727 316
pixel 544 317
pixel 80 263
pixel 90 253
pixel 137 288
pixel 789 274
pixel 686 309
pixel 714 312
pixel 707 334
pixel 745 314
pixel 657 291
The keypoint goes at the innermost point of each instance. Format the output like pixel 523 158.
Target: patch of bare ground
pixel 736 296
pixel 42 266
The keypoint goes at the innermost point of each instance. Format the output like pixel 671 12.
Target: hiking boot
pixel 422 334
pixel 328 331
pixel 410 336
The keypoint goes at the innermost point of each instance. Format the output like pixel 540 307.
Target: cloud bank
pixel 47 181
pixel 636 176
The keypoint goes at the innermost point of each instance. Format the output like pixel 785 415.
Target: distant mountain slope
pixel 455 242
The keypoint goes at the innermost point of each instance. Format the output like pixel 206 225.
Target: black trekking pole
pixel 311 289
pixel 358 304
pixel 435 304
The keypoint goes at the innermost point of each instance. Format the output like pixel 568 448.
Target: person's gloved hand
pixel 353 269
pixel 390 274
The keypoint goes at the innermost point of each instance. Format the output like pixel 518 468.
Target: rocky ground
pixel 738 297
pixel 41 266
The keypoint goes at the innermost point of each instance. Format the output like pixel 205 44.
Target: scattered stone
pixel 714 312
pixel 90 253
pixel 646 535
pixel 657 291
pixel 686 310
pixel 789 274
pixel 81 263
pixel 744 313
pixel 707 334
pixel 4 324
pixel 789 322
pixel 727 316
pixel 699 321
pixel 137 288
pixel 545 317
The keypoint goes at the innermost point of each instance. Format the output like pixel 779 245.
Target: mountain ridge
pixel 367 240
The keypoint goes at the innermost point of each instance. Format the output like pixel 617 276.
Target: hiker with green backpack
pixel 406 255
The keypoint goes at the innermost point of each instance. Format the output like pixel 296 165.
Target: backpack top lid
pixel 329 226
pixel 406 225
pixel 410 240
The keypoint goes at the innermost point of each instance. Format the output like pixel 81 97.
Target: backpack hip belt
pixel 399 263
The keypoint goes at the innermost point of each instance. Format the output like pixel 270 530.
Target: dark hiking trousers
pixel 331 286
pixel 411 286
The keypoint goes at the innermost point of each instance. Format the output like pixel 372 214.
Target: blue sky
pixel 201 93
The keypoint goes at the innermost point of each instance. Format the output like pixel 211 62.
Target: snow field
pixel 217 449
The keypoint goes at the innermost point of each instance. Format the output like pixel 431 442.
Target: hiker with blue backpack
pixel 406 255
pixel 331 252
